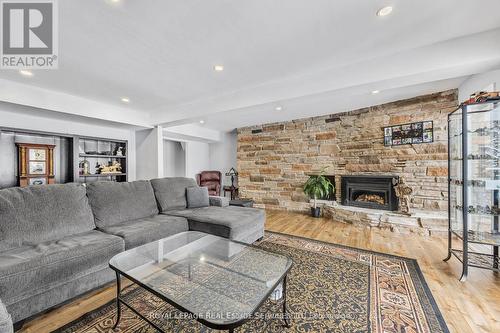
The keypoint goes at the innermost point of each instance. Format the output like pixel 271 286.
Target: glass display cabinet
pixel 474 185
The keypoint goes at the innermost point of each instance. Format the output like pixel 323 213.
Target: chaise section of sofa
pixel 236 223
pixel 49 250
pixel 129 210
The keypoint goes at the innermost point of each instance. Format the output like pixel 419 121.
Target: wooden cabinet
pixel 36 164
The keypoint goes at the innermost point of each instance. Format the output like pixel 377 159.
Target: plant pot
pixel 315 212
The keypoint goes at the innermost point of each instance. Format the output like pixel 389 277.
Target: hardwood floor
pixel 473 306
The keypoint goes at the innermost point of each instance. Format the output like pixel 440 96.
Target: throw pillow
pixel 197 197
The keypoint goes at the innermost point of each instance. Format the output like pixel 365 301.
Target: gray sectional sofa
pixel 56 240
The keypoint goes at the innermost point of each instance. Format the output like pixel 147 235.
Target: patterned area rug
pixel 331 288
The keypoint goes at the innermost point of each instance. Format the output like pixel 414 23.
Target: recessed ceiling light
pixel 375 92
pixel 384 11
pixel 125 100
pixel 218 68
pixel 25 72
pixel 278 108
pixel 202 121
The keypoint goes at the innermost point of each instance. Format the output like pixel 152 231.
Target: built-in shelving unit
pixel 91 154
pixel 474 186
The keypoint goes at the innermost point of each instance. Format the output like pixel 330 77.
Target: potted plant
pixel 317 187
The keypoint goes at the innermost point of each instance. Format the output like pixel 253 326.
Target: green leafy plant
pixel 318 186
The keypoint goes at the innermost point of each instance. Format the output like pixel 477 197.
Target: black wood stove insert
pixel 368 191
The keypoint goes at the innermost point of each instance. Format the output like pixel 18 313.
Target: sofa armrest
pixel 6 325
pixel 218 201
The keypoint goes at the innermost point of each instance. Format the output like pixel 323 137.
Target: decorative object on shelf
pixel 407 134
pixel 84 167
pixel 232 173
pixel 119 151
pixel 474 183
pixel 36 164
pixel 116 167
pixel 482 96
pixel 403 193
pixel 317 186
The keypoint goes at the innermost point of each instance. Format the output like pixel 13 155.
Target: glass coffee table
pixel 221 283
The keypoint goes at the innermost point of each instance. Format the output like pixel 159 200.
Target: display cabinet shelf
pixel 102 156
pixel 104 175
pixel 478 260
pixel 474 185
pixel 485 238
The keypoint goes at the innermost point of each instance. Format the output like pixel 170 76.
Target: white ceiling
pixel 311 56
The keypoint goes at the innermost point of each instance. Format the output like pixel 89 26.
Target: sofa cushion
pixel 35 268
pixel 197 197
pixel 230 222
pixel 142 231
pixel 171 192
pixel 42 213
pixel 114 203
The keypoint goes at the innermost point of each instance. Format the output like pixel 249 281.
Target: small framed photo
pixel 387 131
pixel 37 168
pixel 37 181
pixel 37 155
pixel 427 125
pixel 427 136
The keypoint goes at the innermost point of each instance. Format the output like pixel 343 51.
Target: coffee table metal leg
pixel 285 313
pixel 118 305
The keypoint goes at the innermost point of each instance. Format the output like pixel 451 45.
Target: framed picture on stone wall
pixel 406 134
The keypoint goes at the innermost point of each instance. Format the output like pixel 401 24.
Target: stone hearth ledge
pixel 421 222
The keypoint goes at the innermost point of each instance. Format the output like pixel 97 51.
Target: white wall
pixel 478 82
pixel 33 119
pixel 197 158
pixel 149 151
pixel 223 155
pixel 174 159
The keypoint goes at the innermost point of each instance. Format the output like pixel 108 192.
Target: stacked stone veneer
pixel 274 160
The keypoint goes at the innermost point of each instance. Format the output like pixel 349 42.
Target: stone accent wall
pixel 274 160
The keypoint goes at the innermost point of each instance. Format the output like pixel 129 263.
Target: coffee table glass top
pixel 216 279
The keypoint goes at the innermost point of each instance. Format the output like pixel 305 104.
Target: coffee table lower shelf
pixel 229 327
